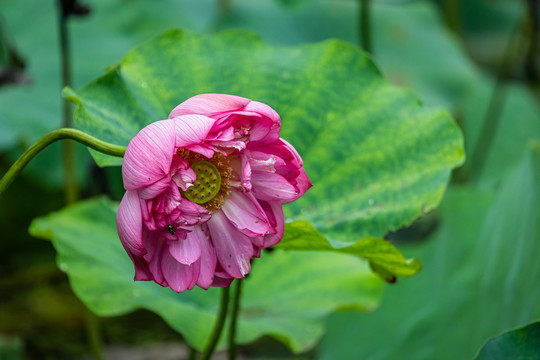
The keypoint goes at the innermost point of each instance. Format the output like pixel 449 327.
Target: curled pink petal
pixel 191 130
pixel 274 213
pixel 182 175
pixel 148 155
pixel 178 276
pixel 246 214
pixel 209 104
pixel 234 250
pixel 271 186
pixel 186 251
pixel 208 257
pixel 128 221
pixel 156 249
pixel 205 191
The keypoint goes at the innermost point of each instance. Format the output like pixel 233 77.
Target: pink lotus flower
pixel 205 190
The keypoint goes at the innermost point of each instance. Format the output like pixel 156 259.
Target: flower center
pixel 212 186
pixel 207 185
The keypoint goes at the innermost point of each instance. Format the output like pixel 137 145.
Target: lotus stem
pixel 234 319
pixel 218 326
pixel 60 134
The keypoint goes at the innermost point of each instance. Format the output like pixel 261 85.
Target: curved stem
pixel 93 332
pixel 72 188
pixel 77 135
pixel 218 327
pixel 234 318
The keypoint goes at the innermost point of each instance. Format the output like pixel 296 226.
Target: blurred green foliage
pixel 479 279
pixel 479 267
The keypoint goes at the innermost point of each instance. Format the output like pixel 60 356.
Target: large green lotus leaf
pixel 411 43
pixel 287 295
pixel 519 344
pixel 378 159
pixel 480 278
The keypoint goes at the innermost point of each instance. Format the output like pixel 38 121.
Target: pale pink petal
pixel 208 258
pixel 234 250
pixel 245 213
pixel 270 186
pixel 209 104
pixel 182 175
pixel 148 155
pixel 260 161
pixel 241 169
pixel 246 174
pixel 238 145
pixel 179 277
pixel 186 251
pixel 129 223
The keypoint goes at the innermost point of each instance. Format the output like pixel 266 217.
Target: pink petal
pixel 129 223
pixel 264 131
pixel 148 156
pixel 208 258
pixel 302 182
pixel 274 213
pixel 188 213
pixel 179 277
pixel 238 145
pixel 153 190
pixel 271 186
pixel 208 104
pixel 142 273
pixel 186 251
pixel 156 247
pixel 203 149
pixel 245 213
pixel 263 109
pixel 234 250
pixel 182 175
pixel 241 171
pixel 192 129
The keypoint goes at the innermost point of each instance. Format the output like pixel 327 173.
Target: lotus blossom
pixel 204 191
